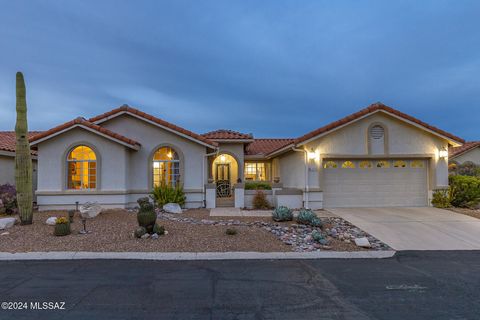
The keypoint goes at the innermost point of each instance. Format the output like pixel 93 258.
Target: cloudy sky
pixel 273 68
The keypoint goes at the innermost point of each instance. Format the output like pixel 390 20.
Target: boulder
pixel 362 242
pixel 51 221
pixel 172 208
pixel 6 223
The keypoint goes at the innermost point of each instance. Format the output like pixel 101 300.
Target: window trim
pixel 268 171
pixel 66 174
pixel 181 160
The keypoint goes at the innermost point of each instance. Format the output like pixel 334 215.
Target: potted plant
pixel 62 227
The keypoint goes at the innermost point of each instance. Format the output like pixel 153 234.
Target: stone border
pixel 179 256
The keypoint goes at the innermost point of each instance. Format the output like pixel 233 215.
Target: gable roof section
pixel 456 151
pixel 8 140
pixel 125 109
pixel 224 134
pixel 87 125
pixel 370 110
pixel 265 146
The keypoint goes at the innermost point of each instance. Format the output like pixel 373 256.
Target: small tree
pixel 23 160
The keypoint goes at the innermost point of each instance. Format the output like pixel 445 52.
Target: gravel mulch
pixel 468 212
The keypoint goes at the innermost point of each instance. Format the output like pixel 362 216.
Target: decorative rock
pixel 166 232
pixel 6 223
pixel 154 236
pixel 172 208
pixel 145 236
pixel 90 210
pixel 362 242
pixel 51 221
pixel 5 233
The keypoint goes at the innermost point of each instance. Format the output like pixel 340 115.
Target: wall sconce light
pixel 443 153
pixel 312 154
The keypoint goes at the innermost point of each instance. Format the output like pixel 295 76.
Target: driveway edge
pixel 178 256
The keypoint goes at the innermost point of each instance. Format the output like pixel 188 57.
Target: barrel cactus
pixel 158 229
pixel 23 160
pixel 146 215
pixel 282 213
pixel 139 232
pixel 62 227
pixel 307 216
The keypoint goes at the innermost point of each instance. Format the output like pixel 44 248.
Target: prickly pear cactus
pixel 23 161
pixel 282 213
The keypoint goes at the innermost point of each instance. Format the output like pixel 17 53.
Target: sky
pixel 272 68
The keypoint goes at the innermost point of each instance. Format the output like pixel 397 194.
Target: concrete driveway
pixel 416 228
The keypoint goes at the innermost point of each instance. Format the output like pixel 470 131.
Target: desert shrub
pixel 158 229
pixel 146 215
pixel 282 213
pixel 467 169
pixel 257 185
pixel 260 200
pixel 165 193
pixel 307 216
pixel 139 232
pixel 319 237
pixel 8 198
pixel 231 231
pixel 441 198
pixel 465 191
pixel 62 227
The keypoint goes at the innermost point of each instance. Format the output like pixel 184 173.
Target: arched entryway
pixel 225 174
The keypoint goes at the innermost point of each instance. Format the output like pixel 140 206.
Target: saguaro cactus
pixel 23 160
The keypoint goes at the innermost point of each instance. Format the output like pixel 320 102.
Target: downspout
pixel 217 151
pixel 305 194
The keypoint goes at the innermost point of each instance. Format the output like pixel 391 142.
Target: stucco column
pixel 209 170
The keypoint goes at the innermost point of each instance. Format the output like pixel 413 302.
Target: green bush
pixel 231 231
pixel 260 200
pixel 307 216
pixel 164 194
pixel 467 169
pixel 465 191
pixel 139 232
pixel 257 185
pixel 158 229
pixel 441 198
pixel 282 213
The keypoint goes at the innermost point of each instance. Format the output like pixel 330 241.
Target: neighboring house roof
pixel 224 134
pixel 83 123
pixel 456 151
pixel 145 116
pixel 372 109
pixel 266 146
pixel 7 140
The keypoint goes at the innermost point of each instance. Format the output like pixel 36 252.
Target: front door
pixel 223 180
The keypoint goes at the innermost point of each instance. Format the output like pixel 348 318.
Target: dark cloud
pixel 274 68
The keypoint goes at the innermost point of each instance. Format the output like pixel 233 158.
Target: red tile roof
pixel 81 121
pixel 266 146
pixel 224 134
pixel 453 152
pixel 126 108
pixel 370 109
pixel 7 140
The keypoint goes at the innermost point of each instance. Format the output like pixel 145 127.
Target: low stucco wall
pixel 250 194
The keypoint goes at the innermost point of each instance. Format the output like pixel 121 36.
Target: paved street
pixel 412 285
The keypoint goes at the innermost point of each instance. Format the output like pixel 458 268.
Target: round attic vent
pixel 377 132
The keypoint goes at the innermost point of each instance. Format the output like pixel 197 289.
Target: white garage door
pixel 375 183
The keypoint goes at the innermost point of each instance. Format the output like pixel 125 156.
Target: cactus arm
pixel 23 160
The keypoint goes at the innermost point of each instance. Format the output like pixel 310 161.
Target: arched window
pixel 166 167
pixel 348 165
pixel 82 168
pixel 330 165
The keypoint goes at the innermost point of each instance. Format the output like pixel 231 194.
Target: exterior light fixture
pixel 312 154
pixel 223 158
pixel 443 153
pixel 169 155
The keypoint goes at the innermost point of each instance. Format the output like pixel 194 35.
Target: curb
pixel 182 256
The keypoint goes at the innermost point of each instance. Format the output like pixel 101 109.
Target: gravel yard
pixel 112 231
pixel 469 212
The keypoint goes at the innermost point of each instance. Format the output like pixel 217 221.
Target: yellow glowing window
pixel 417 164
pixel 330 165
pixel 383 164
pixel 348 165
pixel 257 171
pixel 365 164
pixel 399 164
pixel 166 167
pixel 82 168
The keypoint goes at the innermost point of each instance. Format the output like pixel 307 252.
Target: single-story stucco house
pixel 469 152
pixel 375 157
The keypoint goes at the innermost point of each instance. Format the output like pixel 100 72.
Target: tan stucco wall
pixel 402 139
pixel 7 170
pixel 151 138
pixel 472 156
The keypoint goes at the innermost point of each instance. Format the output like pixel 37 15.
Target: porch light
pixel 443 153
pixel 312 154
pixel 169 155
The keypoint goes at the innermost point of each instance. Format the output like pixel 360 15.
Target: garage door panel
pixel 376 187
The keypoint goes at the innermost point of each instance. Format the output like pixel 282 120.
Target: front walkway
pixel 416 228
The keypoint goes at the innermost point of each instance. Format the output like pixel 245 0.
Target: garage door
pixel 375 183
